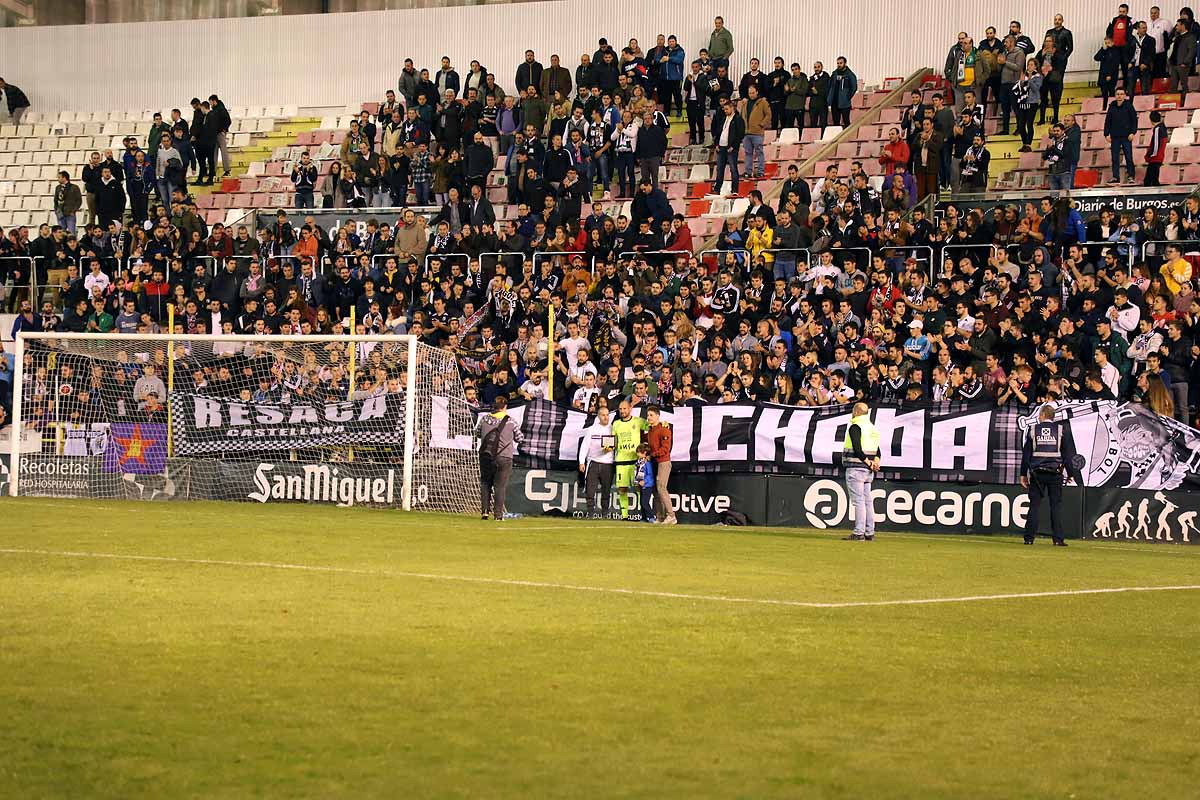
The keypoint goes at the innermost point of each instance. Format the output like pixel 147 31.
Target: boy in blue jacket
pixel 644 476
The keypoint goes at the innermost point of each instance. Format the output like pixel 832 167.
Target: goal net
pixel 349 420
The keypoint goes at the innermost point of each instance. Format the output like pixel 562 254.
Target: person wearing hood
pixel 843 85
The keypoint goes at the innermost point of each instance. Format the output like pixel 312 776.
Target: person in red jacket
pixel 659 439
pixel 894 152
pixel 1156 150
pixel 1120 30
pixel 681 235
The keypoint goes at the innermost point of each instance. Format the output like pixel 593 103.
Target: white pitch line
pixel 597 589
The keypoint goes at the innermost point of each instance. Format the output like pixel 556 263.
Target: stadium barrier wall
pixel 1115 515
pixel 1127 515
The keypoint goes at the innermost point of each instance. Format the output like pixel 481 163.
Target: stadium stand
pixel 859 285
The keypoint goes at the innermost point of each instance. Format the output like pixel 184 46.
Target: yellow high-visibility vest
pixel 868 434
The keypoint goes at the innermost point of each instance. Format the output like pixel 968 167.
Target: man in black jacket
pixel 1120 126
pixel 204 139
pixel 717 84
pixel 755 77
pixel 694 100
pixel 1141 61
pixel 1177 359
pixel 777 92
pixel 728 130
pixel 91 182
pixel 220 121
pixel 651 148
pixel 110 198
pixel 556 162
pixel 529 73
pixel 447 125
pixel 478 161
pixel 17 102
pixel 481 211
pixel 818 97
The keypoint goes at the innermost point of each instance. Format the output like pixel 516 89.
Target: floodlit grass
pixel 127 678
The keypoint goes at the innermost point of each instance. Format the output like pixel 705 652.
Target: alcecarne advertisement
pixel 796 501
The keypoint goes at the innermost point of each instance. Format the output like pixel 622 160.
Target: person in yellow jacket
pixel 756 112
pixel 761 239
pixel 1177 270
pixel 860 456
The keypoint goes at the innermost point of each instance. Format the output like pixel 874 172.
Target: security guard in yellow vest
pixel 1048 452
pixel 860 455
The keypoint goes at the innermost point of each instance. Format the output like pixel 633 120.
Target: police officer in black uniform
pixel 1049 450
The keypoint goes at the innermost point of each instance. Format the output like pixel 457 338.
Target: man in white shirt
pixel 1159 29
pixel 572 343
pixel 822 269
pixel 95 279
pixel 596 449
pixel 582 400
pixel 215 321
pixel 839 392
pixel 1123 314
pixel 1108 373
pixel 534 388
pixel 577 374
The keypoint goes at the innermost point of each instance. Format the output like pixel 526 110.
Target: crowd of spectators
pixel 1012 304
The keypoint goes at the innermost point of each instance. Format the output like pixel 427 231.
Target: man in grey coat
pixel 1181 58
pixel 499 436
pixel 1012 67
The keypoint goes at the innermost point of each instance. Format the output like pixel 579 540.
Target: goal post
pixel 349 420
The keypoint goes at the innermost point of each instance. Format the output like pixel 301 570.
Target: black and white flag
pixel 202 424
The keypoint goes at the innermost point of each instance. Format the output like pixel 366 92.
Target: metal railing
pixel 836 250
pixel 748 254
pixel 20 286
pixel 566 254
pixel 384 257
pixel 626 253
pixel 992 248
pixel 914 248
pixel 446 257
pixel 501 258
pixel 1161 252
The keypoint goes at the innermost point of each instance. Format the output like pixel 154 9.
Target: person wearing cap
pixel 1048 452
pixel 860 455
pixel 917 346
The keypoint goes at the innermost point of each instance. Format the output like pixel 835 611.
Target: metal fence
pixel 14 288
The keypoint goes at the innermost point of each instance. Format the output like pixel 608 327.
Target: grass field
pixel 433 656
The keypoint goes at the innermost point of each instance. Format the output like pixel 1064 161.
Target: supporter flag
pixel 138 448
pixel 470 322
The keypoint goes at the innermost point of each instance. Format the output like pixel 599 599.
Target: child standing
pixel 644 475
pixel 1110 59
pixel 1156 150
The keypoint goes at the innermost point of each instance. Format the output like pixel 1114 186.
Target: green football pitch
pixel 236 650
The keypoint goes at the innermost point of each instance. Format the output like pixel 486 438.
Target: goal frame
pixel 410 389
